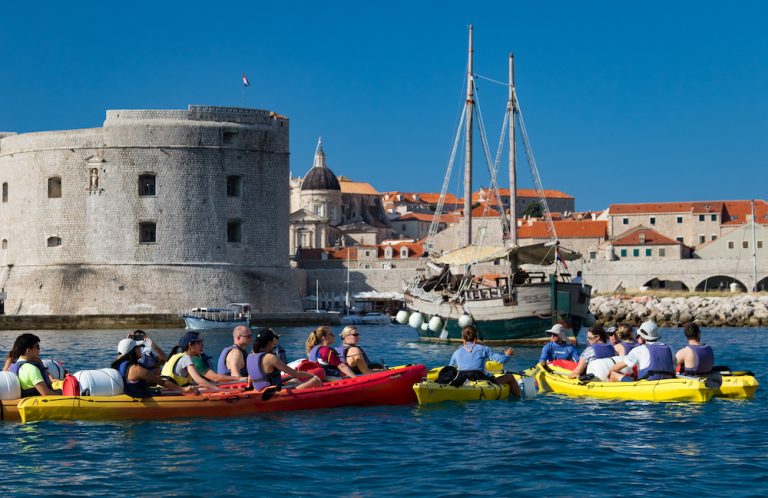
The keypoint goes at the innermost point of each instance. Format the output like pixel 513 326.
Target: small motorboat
pixel 228 317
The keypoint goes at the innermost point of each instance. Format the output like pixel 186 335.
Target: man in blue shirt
pixel 471 357
pixel 558 348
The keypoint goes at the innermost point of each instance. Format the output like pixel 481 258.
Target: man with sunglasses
pixel 232 358
pixel 352 354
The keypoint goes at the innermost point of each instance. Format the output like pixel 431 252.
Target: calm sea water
pixel 548 445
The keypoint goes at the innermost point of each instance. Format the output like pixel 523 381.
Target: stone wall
pixel 100 265
pixel 738 311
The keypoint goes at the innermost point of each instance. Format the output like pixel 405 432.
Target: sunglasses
pixel 354 334
pixel 246 336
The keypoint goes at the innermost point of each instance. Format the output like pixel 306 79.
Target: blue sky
pixel 624 101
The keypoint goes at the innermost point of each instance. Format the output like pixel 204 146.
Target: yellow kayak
pixel 737 385
pixel 678 389
pixel 428 391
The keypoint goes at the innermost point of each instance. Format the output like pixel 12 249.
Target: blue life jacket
pixel 342 350
pixel 603 350
pixel 662 364
pixel 705 360
pixel 558 351
pixel 222 365
pixel 137 389
pixel 32 391
pixel 312 356
pixel 629 346
pixel 255 369
pixel 148 360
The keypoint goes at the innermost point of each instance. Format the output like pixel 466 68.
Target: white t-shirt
pixel 640 356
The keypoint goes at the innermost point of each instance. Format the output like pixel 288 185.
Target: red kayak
pixel 388 387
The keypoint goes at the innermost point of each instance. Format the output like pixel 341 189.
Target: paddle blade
pixel 528 387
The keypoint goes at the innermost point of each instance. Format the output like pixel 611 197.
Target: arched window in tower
pixel 147 185
pixel 5 244
pixel 5 192
pixel 54 187
pixel 54 241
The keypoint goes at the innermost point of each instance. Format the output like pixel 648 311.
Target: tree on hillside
pixel 534 210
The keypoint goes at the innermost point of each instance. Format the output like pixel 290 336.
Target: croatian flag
pixel 245 80
pixel 560 258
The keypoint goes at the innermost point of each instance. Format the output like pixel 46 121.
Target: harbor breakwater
pixel 743 310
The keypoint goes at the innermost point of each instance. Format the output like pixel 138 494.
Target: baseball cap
pixel 126 345
pixel 557 330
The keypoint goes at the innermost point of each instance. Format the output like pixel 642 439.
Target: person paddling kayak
pixel 470 360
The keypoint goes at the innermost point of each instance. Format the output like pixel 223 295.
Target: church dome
pixel 320 177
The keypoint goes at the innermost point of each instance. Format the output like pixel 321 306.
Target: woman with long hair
pixel 265 367
pixel 320 350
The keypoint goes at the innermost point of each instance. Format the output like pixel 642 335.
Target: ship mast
pixel 512 159
pixel 468 148
pixel 754 249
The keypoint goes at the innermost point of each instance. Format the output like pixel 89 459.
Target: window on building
pixel 388 252
pixel 147 233
pixel 652 220
pixel 403 252
pixel 713 217
pixel 701 217
pixel 662 252
pixel 625 221
pixel 592 254
pixel 366 266
pixel 759 244
pixel 623 253
pixel 54 187
pixel 679 219
pixel 745 244
pixel 713 236
pixel 234 186
pixel 702 239
pixel 636 253
pixel 54 241
pixel 680 239
pixel 320 209
pixel 404 227
pixel 234 231
pixel 5 244
pixel 5 192
pixel 648 252
pixel 147 185
pixel 731 245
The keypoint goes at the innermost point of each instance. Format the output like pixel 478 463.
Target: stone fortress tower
pixel 157 211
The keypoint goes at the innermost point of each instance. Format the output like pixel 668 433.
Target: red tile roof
pixel 487 194
pixel 445 218
pixel 739 212
pixel 634 237
pixel 565 230
pixel 415 250
pixel 667 207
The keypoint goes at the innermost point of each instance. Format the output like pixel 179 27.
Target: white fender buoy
pixel 55 368
pixel 465 320
pixel 424 327
pixel 435 324
pixel 416 320
pixel 402 317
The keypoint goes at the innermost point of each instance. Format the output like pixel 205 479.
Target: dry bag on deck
pixel 9 386
pixel 101 382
